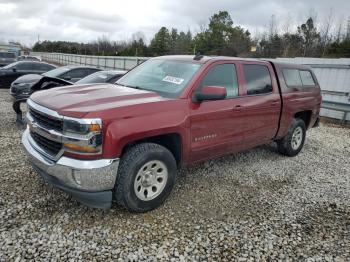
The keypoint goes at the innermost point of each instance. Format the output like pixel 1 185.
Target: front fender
pixel 122 132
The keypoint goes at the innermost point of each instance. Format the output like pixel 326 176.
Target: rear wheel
pixel 146 176
pixel 293 142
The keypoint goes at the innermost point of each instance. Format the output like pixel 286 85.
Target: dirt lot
pixel 253 205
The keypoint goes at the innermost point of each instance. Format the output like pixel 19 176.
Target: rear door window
pixel 296 77
pixel 91 71
pixel 292 77
pixel 306 78
pixel 25 66
pixel 258 79
pixel 77 73
pixel 45 68
pixel 37 67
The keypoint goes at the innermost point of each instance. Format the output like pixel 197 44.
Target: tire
pixel 16 106
pixel 139 186
pixel 293 142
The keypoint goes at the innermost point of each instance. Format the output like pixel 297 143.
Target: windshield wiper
pixel 135 87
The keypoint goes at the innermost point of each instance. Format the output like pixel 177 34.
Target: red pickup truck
pixel 126 141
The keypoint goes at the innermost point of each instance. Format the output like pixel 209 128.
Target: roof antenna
pixel 198 57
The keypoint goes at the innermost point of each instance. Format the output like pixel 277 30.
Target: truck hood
pixel 79 100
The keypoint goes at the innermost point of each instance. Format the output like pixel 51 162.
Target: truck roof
pixel 205 59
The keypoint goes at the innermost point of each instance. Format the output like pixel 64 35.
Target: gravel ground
pixel 256 205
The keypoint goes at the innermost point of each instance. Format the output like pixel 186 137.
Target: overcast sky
pixel 85 20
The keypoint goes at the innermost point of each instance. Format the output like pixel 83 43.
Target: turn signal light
pixel 77 148
pixel 94 128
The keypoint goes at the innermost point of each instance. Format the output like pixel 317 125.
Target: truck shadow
pixel 225 189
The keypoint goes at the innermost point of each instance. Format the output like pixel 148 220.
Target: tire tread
pixel 126 163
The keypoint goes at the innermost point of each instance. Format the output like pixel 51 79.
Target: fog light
pixel 77 177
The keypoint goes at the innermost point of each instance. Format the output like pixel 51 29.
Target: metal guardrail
pixel 337 106
pixel 337 93
pixel 103 62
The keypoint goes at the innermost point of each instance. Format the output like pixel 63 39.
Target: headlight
pixel 85 135
pixel 25 88
pixel 82 127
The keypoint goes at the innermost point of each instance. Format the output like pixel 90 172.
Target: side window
pixel 306 78
pixel 91 71
pixel 258 79
pixel 292 77
pixel 222 75
pixel 25 66
pixel 76 73
pixel 37 67
pixel 45 68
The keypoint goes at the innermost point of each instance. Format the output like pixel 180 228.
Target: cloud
pixel 86 20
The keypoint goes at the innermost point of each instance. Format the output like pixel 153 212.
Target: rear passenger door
pixel 260 103
pixel 38 68
pixel 44 68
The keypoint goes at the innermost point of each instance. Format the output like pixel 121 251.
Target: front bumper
pixel 19 97
pixel 88 181
pixel 17 93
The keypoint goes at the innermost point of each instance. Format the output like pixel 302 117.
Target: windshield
pixel 165 77
pixel 56 72
pixel 98 77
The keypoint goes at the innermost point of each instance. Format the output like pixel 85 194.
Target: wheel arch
pixel 171 141
pixel 305 116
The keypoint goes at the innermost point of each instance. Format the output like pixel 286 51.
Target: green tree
pixel 341 49
pixel 292 45
pixel 161 43
pixel 222 38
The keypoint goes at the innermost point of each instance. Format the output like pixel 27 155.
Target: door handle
pixel 237 107
pixel 275 102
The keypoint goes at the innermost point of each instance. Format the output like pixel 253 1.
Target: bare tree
pixel 286 27
pixel 138 35
pixel 272 27
pixel 202 26
pixel 286 31
pixel 339 31
pixel 326 32
pixel 347 33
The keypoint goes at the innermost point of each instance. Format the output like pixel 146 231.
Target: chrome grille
pixel 51 147
pixel 46 120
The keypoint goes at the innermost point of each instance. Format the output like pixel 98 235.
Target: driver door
pixel 215 124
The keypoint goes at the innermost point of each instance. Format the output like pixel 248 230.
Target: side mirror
pixel 14 69
pixel 210 93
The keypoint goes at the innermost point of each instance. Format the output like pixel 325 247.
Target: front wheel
pixel 146 176
pixel 293 142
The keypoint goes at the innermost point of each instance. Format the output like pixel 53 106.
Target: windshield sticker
pixel 102 76
pixel 174 80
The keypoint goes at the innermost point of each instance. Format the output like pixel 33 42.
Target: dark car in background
pixel 102 77
pixel 7 58
pixel 24 86
pixel 29 58
pixel 11 72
